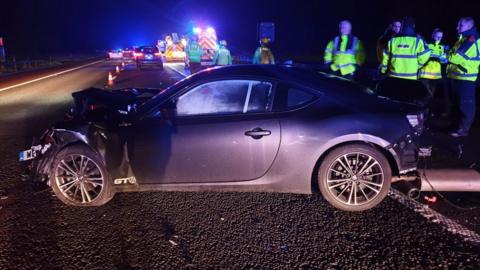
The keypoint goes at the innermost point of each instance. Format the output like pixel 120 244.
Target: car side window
pixel 225 97
pixel 297 98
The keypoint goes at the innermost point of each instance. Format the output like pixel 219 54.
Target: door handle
pixel 257 133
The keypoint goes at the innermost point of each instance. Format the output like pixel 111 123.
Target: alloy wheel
pixel 79 179
pixel 355 179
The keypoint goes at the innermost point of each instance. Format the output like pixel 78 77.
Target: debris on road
pixel 435 217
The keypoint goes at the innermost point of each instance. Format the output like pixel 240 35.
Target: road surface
pixel 179 230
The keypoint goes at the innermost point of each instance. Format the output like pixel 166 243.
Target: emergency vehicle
pixel 174 48
pixel 207 39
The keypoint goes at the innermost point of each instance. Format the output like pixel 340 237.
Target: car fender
pixel 352 138
pixel 66 137
pixel 62 139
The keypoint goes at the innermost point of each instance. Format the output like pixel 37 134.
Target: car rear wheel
pixel 354 177
pixel 78 177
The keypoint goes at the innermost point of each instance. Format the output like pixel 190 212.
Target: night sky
pixel 36 28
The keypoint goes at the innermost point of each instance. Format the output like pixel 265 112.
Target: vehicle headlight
pixel 413 120
pixel 416 120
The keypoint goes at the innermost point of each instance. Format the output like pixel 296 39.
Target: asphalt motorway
pixel 179 230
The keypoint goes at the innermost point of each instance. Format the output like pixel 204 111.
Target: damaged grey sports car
pixel 240 128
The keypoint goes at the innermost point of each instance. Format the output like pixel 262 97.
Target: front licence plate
pixel 31 153
pixel 27 155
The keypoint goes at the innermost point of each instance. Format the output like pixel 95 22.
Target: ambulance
pixel 207 39
pixel 173 48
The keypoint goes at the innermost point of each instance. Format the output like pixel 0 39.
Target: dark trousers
pixel 195 67
pixel 443 97
pixel 431 85
pixel 463 96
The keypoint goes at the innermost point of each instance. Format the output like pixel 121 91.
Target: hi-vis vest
pixel 433 68
pixel 222 57
pixel 194 52
pixel 264 56
pixel 344 53
pixel 404 56
pixel 464 59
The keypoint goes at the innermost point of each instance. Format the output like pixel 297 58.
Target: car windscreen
pixel 156 99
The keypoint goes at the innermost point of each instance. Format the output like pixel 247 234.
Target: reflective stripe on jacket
pixel 464 59
pixel 194 52
pixel 433 68
pixel 404 56
pixel 344 54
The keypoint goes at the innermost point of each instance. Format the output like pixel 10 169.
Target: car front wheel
pixel 78 177
pixel 354 177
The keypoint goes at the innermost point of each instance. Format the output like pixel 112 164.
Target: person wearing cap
pixel 222 56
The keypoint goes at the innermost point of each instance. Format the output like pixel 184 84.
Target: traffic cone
pixel 110 79
pixel 117 69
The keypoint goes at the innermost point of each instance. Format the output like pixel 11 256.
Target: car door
pixel 221 131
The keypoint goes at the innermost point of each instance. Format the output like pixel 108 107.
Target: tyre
pixel 354 177
pixel 78 177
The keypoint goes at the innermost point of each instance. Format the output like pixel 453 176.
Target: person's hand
pixel 381 70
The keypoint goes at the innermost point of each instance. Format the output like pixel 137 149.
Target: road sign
pixel 266 30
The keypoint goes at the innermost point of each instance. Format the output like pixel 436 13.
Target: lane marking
pixel 435 217
pixel 51 75
pixel 177 71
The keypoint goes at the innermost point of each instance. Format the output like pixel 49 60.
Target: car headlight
pixel 416 120
pixel 413 120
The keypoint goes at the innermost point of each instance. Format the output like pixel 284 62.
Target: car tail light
pixel 138 54
pixel 158 54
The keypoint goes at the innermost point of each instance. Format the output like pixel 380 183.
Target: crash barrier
pixel 24 65
pixel 242 59
pixel 456 180
pixel 14 65
pixel 435 217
